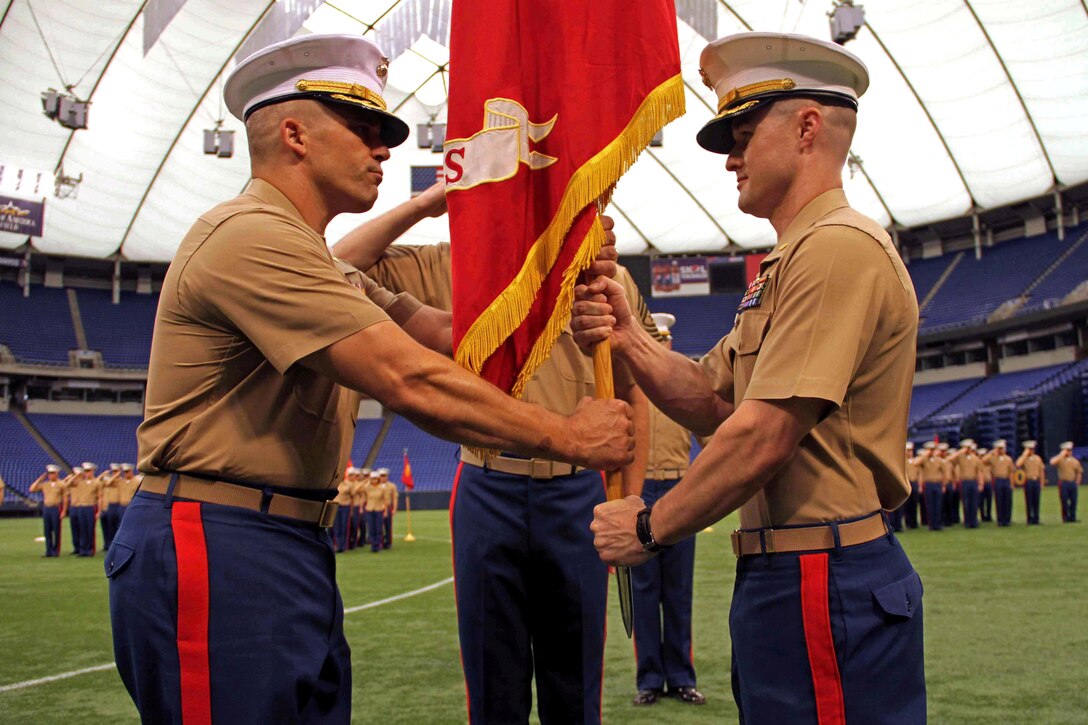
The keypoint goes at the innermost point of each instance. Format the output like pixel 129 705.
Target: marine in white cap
pixel 806 399
pixel 1032 470
pixel 262 345
pixel 1002 467
pixel 663 586
pixel 54 506
pixel 1070 476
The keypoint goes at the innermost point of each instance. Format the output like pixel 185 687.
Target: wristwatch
pixel 645 536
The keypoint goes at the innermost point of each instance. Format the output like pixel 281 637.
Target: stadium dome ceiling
pixel 974 104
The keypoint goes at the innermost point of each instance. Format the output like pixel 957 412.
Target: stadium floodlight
pixel 423 135
pixel 218 142
pixel 65 109
pixel 658 139
pixel 845 19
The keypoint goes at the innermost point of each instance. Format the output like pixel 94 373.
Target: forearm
pixel 364 245
pixel 634 474
pixel 432 328
pixel 745 452
pixel 675 384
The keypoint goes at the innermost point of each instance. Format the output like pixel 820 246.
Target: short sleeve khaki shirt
pixel 252 290
pixel 670 444
pixel 833 316
pixel 1069 468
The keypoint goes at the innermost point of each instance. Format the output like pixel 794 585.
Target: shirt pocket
pixel 746 341
pixel 901 599
pixel 317 395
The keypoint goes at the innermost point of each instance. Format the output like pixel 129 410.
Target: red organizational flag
pixel 550 103
pixel 406 474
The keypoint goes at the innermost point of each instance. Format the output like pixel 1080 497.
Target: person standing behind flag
pixel 805 403
pixel 540 497
pixel 1070 475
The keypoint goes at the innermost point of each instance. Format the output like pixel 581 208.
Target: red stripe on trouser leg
pixel 193 598
pixel 830 709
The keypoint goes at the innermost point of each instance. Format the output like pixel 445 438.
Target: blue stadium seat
pixel 700 321
pixel 978 287
pixel 103 439
pixel 927 399
pixel 21 458
pixel 434 461
pixel 924 273
pixel 38 328
pixel 122 332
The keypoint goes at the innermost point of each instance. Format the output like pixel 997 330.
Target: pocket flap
pixel 117 558
pixel 750 331
pixel 901 598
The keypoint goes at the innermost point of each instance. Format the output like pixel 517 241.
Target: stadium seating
pixel 924 273
pixel 976 287
pixel 434 461
pixel 38 328
pixel 1072 271
pixel 700 321
pixel 103 439
pixel 366 431
pixel 121 332
pixel 928 399
pixel 21 458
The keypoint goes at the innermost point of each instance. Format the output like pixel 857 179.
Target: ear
pixel 293 135
pixel 809 123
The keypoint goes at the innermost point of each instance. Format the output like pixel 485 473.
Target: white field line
pixel 111 665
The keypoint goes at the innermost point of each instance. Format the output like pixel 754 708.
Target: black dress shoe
pixel 688 694
pixel 646 697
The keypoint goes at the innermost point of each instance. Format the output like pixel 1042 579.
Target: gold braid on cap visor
pixel 343 91
pixel 739 94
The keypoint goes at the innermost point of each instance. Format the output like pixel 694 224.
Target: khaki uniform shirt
pixel 1068 468
pixel 375 497
pixel 932 469
pixel 914 468
pixel 358 492
pixel 1033 466
pixel 561 382
pixel 251 291
pixel 968 464
pixel 343 492
pixel 110 490
pixel 984 466
pixel 1001 466
pixel 128 488
pixel 832 316
pixel 53 492
pixel 391 495
pixel 83 491
pixel 670 447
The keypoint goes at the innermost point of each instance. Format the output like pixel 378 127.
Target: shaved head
pixel 263 126
pixel 837 129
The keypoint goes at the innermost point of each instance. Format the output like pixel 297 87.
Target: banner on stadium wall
pixel 549 104
pixel 680 276
pixel 21 216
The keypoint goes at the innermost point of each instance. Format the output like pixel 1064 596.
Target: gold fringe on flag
pixel 590 183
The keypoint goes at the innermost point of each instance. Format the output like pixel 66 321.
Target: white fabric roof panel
pixel 146 178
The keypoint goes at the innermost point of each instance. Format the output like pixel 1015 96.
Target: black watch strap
pixel 645 535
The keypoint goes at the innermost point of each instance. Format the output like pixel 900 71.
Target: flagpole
pixel 408 512
pixel 605 389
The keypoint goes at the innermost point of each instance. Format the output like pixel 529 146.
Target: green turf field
pixel 1006 629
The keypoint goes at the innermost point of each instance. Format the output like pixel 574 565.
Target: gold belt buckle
pixel 328 514
pixel 735 539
